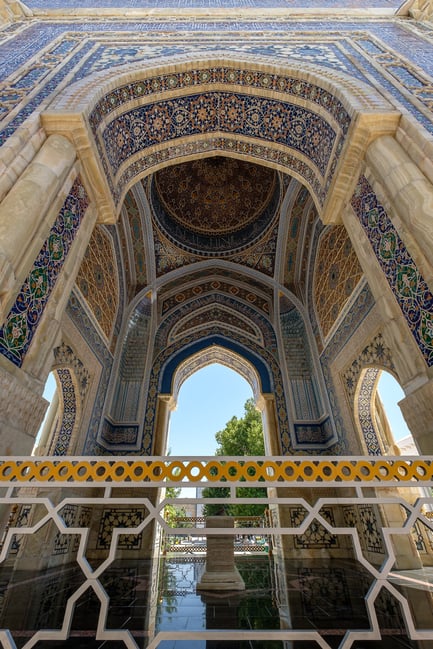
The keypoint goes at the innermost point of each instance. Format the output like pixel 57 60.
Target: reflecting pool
pixel 148 597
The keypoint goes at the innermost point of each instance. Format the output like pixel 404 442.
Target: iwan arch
pixel 109 133
pixel 215 206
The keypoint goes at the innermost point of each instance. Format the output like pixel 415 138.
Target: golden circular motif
pixel 196 470
pixel 215 196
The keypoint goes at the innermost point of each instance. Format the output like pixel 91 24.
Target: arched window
pixel 207 400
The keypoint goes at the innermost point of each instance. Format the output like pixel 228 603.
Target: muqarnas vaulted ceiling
pixel 215 207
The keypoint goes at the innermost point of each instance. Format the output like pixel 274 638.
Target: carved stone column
pixel 221 572
pixel 417 409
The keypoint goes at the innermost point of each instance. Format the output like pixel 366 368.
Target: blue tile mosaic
pixel 407 284
pixel 374 37
pixel 23 319
pixel 257 117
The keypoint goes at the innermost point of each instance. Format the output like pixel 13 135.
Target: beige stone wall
pixel 11 10
pixel 422 10
pixel 36 181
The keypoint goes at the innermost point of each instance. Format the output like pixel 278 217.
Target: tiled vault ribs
pixel 23 319
pixel 313 143
pixel 406 282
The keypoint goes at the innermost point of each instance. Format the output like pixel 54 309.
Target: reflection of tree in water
pixel 176 579
pixel 257 608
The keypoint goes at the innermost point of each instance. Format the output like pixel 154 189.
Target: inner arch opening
pixel 206 401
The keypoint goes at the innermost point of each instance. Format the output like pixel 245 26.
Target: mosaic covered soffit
pixel 214 206
pixel 312 123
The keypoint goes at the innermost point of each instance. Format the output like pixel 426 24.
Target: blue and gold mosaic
pixel 257 117
pixel 23 319
pixel 383 52
pixel 296 137
pixel 407 284
pixel 62 439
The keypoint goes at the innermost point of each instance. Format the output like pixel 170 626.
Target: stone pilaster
pixel 22 410
pixel 28 212
pixel 417 409
pixel 408 197
pixel 266 404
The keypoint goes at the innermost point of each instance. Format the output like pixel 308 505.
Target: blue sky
pixel 206 402
pixel 212 396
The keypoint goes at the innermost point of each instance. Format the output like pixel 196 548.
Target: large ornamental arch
pixel 312 123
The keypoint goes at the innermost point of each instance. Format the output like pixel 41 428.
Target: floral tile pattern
pixel 413 296
pixel 22 321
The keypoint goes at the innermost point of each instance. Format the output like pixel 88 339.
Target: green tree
pixel 173 512
pixel 240 437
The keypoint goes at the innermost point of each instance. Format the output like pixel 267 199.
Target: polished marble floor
pixel 326 596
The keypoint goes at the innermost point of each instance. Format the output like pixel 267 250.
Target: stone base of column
pixel 229 580
pixel 221 573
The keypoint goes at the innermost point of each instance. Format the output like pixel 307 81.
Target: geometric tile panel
pixel 62 542
pixel 97 279
pixel 406 282
pixel 119 517
pixel 316 535
pixel 370 529
pixel 363 518
pixel 337 272
pixel 23 319
pixel 68 411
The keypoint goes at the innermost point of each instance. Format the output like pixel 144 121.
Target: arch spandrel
pixel 324 104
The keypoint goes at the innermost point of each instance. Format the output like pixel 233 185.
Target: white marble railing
pixel 375 508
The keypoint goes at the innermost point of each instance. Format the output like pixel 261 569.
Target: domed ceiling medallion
pixel 215 206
